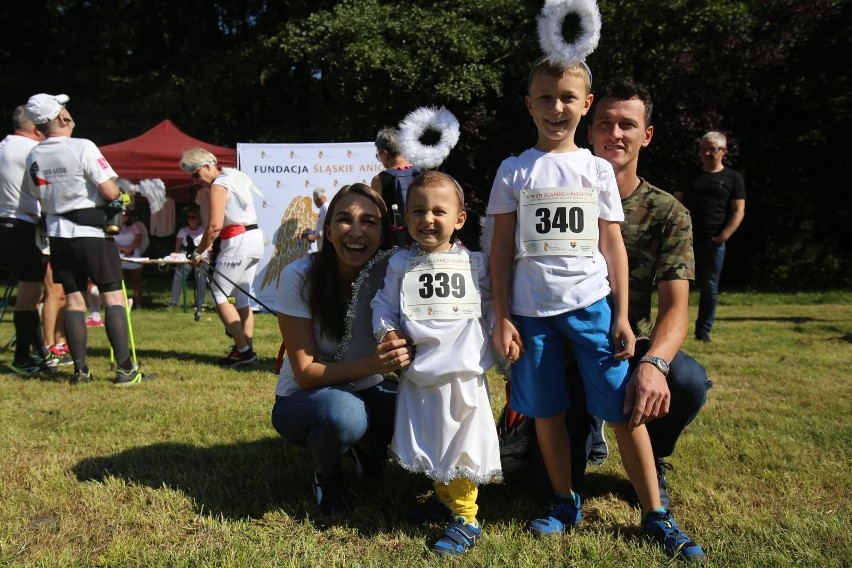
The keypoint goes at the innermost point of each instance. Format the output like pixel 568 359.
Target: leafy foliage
pixel 298 71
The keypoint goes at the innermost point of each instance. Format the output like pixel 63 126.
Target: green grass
pixel 187 471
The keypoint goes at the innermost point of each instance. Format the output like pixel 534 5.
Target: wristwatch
pixel 657 362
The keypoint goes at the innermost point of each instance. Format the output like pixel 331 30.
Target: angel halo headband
pixel 416 123
pixel 550 21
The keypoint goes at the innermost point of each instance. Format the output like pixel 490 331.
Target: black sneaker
pixel 365 465
pixel 80 377
pixel 704 338
pixel 661 466
pixel 330 493
pixel 235 358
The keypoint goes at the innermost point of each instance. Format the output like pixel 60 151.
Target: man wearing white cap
pixel 19 216
pixel 75 185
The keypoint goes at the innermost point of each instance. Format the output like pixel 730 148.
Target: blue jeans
pixel 329 421
pixel 709 258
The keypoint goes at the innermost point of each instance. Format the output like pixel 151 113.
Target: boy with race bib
pixel 558 209
pixel 437 294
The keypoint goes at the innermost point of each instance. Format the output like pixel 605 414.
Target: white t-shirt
pixel 288 300
pixel 317 244
pixel 549 285
pixel 235 212
pixel 188 232
pixel 65 175
pixel 14 203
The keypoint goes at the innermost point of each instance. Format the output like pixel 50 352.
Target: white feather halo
pixel 550 22
pixel 419 121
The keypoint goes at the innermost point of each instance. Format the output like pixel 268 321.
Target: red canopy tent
pixel 156 153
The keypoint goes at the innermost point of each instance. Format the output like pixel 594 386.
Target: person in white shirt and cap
pixel 76 188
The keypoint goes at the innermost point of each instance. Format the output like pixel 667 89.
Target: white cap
pixel 42 108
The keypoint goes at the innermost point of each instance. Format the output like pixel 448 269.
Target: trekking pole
pixel 237 286
pixel 129 324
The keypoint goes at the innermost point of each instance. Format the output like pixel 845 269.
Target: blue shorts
pixel 539 388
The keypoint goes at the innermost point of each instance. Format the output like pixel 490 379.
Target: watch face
pixel 657 362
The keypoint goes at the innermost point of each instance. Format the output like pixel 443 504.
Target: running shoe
pixel 81 377
pixel 57 356
pixel 563 516
pixel 330 494
pixel 124 378
pixel 662 529
pixel 26 369
pixel 92 322
pixel 235 358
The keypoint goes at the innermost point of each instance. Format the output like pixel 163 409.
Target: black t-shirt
pixel 708 197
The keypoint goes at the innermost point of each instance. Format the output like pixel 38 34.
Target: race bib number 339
pixel 559 221
pixel 441 287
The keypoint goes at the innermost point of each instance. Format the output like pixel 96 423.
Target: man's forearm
pixel 672 321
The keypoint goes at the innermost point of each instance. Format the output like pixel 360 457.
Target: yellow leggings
pixel 460 496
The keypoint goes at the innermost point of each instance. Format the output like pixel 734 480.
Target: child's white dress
pixel 443 426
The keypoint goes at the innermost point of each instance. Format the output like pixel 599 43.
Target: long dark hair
pixel 327 296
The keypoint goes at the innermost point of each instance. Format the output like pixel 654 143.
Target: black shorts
pixel 76 260
pixel 19 250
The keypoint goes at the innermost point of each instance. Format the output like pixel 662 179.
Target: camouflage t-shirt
pixel 657 232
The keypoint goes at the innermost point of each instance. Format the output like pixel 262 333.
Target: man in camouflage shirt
pixel 667 388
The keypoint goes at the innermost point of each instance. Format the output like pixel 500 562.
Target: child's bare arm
pixel 612 248
pixel 501 263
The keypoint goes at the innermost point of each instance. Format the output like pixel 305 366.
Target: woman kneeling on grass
pixel 331 397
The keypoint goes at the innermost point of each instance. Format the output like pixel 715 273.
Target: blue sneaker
pixel 662 529
pixel 459 537
pixel 561 518
pixel 26 369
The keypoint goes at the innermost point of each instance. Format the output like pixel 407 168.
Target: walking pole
pixel 129 323
pixel 238 287
pixel 198 301
pixel 7 295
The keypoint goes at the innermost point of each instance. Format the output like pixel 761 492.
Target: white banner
pixel 288 174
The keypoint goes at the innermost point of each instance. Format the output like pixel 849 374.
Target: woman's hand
pixel 393 354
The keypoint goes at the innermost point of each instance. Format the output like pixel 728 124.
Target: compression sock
pixel 76 337
pixel 117 330
pixel 26 328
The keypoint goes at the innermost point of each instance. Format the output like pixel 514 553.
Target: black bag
pixel 513 433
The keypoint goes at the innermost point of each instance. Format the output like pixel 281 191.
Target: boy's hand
pixel 625 341
pixel 507 340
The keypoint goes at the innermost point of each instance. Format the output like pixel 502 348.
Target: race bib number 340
pixel 559 221
pixel 441 287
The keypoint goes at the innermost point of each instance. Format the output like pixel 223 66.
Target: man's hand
pixel 647 395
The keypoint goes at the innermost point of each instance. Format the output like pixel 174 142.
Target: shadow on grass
pixel 235 481
pixel 148 358
pixel 788 319
pixel 249 479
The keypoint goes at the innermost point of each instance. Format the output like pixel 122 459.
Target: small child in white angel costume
pixel 437 294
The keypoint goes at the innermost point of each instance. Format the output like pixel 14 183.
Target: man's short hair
pixel 624 90
pixel 716 138
pixel 388 140
pixel 319 192
pixel 20 120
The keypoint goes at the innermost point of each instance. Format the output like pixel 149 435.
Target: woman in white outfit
pixel 232 222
